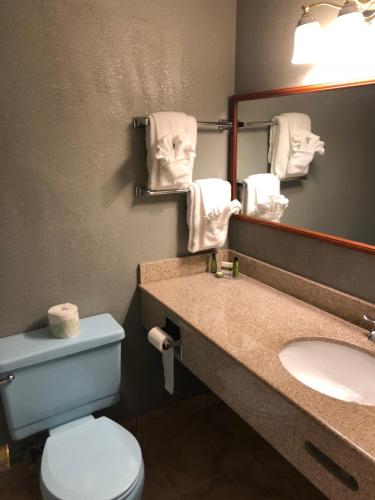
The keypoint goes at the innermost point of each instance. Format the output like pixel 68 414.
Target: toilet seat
pixel 97 460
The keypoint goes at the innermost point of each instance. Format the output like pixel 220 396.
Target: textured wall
pixel 74 73
pixel 264 48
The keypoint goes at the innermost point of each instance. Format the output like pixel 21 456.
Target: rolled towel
pixel 64 320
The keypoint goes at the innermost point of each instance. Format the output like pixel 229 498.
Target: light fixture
pixel 350 26
pixel 307 39
pixel 371 26
pixel 350 18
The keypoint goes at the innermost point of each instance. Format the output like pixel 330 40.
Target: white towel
pixel 256 191
pixel 279 147
pixel 292 145
pixel 274 208
pixel 171 140
pixel 304 145
pixel 208 214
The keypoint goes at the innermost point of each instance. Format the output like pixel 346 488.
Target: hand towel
pixel 171 140
pixel 273 209
pixel 208 214
pixel 257 189
pixel 304 145
pixel 279 146
pixel 216 195
pixel 292 145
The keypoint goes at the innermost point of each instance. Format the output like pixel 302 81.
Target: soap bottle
pixel 236 268
pixel 213 263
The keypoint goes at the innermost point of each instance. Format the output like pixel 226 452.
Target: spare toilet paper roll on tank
pixel 64 321
pixel 159 339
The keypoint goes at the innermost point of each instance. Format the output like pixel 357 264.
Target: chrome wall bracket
pixel 7 379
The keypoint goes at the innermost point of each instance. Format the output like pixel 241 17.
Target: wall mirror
pixel 317 146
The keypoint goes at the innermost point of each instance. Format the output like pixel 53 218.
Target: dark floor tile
pixel 188 450
pixel 161 419
pixel 248 443
pixel 21 482
pixel 156 486
pixel 233 487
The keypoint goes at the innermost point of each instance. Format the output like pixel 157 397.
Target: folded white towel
pixel 304 145
pixel 279 146
pixel 274 208
pixel 208 214
pixel 171 140
pixel 257 189
pixel 216 195
pixel 292 145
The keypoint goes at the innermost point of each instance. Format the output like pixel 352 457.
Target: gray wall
pixel 264 48
pixel 73 74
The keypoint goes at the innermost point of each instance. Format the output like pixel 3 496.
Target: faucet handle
pixel 371 335
pixel 366 318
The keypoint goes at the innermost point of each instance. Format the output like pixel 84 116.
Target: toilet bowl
pixel 91 459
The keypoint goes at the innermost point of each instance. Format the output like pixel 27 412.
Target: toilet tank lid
pixel 38 346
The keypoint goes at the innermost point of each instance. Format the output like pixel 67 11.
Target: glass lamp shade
pixel 307 43
pixel 371 33
pixel 350 38
pixel 351 24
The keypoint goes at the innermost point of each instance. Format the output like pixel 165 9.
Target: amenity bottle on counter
pixel 213 263
pixel 236 268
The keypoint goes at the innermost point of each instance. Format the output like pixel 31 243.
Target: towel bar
pixel 143 121
pixel 296 178
pixel 247 125
pixel 287 179
pixel 139 191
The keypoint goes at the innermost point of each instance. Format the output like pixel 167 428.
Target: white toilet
pixel 55 384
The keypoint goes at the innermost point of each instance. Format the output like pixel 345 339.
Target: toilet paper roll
pixel 159 339
pixel 64 321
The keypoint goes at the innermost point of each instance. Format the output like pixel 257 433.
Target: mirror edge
pixel 234 100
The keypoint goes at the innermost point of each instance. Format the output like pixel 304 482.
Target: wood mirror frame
pixel 336 240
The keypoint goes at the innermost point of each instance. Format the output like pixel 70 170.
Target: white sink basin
pixel 337 370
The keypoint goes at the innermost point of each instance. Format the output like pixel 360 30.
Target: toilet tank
pixel 59 380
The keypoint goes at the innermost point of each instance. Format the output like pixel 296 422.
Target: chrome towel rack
pixel 143 121
pixel 247 125
pixel 140 191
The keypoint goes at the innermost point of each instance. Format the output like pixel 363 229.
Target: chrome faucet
pixel 371 335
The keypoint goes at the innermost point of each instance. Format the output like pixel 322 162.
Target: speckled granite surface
pixel 174 268
pixel 340 304
pixel 249 322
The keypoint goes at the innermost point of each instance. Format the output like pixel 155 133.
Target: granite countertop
pixel 251 322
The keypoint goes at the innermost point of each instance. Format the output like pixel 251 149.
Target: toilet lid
pixel 97 460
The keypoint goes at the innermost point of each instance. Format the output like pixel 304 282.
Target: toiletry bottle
pixel 227 268
pixel 213 267
pixel 236 268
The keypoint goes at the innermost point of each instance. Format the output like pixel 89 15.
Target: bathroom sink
pixel 337 370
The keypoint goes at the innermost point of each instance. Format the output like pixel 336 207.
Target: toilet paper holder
pixel 167 344
pixel 172 328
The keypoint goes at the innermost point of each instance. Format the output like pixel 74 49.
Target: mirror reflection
pixel 307 160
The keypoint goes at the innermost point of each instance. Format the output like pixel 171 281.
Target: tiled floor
pixel 193 451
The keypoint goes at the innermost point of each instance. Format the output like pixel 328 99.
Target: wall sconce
pixel 353 19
